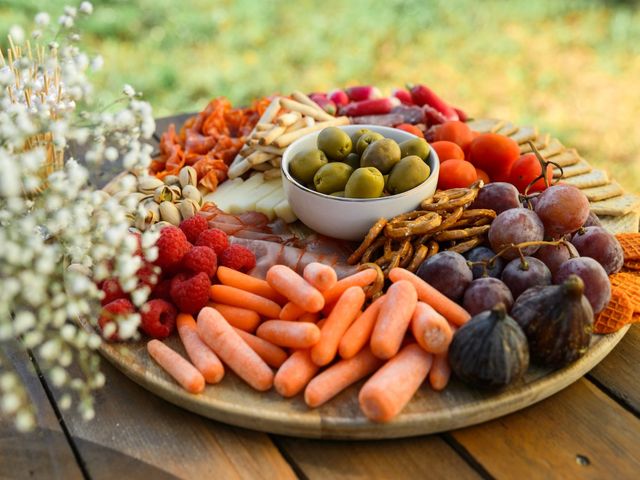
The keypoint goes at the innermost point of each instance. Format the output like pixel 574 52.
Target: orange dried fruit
pixel 630 284
pixel 630 243
pixel 617 314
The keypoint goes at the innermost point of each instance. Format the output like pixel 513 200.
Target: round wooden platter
pixel 235 403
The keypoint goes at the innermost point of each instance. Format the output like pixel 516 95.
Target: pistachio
pixel 176 191
pixel 160 225
pixel 148 202
pixel 148 185
pixel 172 180
pixel 165 193
pixel 170 213
pixel 132 200
pixel 188 176
pixel 145 218
pixel 188 208
pixel 192 193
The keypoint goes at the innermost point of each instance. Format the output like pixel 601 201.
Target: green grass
pixel 570 67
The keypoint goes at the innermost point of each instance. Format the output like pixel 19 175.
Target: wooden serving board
pixel 235 403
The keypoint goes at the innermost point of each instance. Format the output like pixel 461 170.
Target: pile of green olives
pixel 363 165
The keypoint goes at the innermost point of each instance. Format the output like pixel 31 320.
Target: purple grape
pixel 592 220
pixel 597 287
pixel 563 209
pixel 516 225
pixel 533 201
pixel 602 246
pixel 519 277
pixel 484 254
pixel 447 272
pixel 553 256
pixel 484 294
pixel 498 196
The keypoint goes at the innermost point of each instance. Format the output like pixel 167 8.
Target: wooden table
pixel 589 430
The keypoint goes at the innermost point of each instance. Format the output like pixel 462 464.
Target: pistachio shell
pixel 164 193
pixel 148 202
pixel 172 180
pixel 188 176
pixel 170 213
pixel 192 193
pixel 132 200
pixel 149 184
pixel 160 225
pixel 176 191
pixel 188 208
pixel 145 218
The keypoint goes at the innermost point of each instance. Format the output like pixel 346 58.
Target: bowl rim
pixel 295 183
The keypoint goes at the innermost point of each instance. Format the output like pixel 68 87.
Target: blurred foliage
pixel 571 67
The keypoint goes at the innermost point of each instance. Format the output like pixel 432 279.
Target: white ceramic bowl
pixel 351 218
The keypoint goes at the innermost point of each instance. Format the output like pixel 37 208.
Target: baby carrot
pixel 393 319
pixel 294 374
pixel 442 304
pixel 291 311
pixel 207 362
pixel 272 355
pixel 310 317
pixel 241 318
pixel 358 334
pixel 430 329
pixel 320 276
pixel 360 279
pixel 289 334
pixel 233 350
pixel 342 316
pixel 389 389
pixel 234 278
pixel 175 365
pixel 339 376
pixel 237 297
pixel 440 372
pixel 288 283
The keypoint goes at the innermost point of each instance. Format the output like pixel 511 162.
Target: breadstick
pixel 302 98
pixel 271 111
pixel 273 173
pixel 287 119
pixel 260 127
pixel 258 157
pixel 305 109
pixel 271 149
pixel 309 122
pixel 239 168
pixel 288 138
pixel 299 124
pixel 274 133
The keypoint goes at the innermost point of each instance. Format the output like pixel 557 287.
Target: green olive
pixel 365 182
pixel 415 146
pixel 353 160
pixel 408 173
pixel 337 194
pixel 382 154
pixel 355 136
pixel 365 140
pixel 335 143
pixel 332 177
pixel 304 165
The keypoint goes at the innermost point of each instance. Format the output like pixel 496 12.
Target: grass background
pixel 571 67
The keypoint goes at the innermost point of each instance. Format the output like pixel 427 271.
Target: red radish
pixel 403 95
pixel 317 94
pixel 339 97
pixel 363 92
pixel 326 104
pixel 375 106
pixel 433 116
pixel 462 115
pixel 423 95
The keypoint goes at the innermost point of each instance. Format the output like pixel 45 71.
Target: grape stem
pixel 543 173
pixel 519 246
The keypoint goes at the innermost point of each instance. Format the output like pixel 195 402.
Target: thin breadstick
pixel 299 124
pixel 263 126
pixel 288 138
pixel 246 151
pixel 239 168
pixel 257 157
pixel 305 109
pixel 276 162
pixel 273 173
pixel 302 98
pixel 309 122
pixel 253 142
pixel 287 119
pixel 263 167
pixel 274 133
pixel 271 149
pixel 271 111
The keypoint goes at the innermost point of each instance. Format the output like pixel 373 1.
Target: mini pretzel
pixel 406 259
pixel 412 223
pixel 475 218
pixel 376 245
pixel 450 220
pixel 368 240
pixel 418 257
pixel 375 289
pixel 466 245
pixel 461 233
pixel 452 198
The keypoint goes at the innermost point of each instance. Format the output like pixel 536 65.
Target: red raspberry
pixel 112 291
pixel 162 290
pixel 190 293
pixel 239 258
pixel 193 227
pixel 147 275
pixel 158 318
pixel 201 259
pixel 214 238
pixel 110 313
pixel 172 245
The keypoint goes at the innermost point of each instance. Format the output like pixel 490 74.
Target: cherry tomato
pixel 482 175
pixel 494 153
pixel 456 132
pixel 407 127
pixel 447 150
pixel 467 151
pixel 525 170
pixel 456 174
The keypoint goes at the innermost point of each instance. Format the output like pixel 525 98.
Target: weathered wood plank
pixel 618 373
pixel 44 452
pixel 578 433
pixel 162 124
pixel 421 457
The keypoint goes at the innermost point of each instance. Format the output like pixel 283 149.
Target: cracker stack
pixel 618 211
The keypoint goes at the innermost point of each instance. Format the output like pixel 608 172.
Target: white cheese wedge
pixel 268 203
pixel 284 211
pixel 238 191
pixel 222 189
pixel 249 200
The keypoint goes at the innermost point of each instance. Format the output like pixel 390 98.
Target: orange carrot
pixel 320 276
pixel 310 317
pixel 288 283
pixel 289 334
pixel 440 372
pixel 295 373
pixel 430 329
pixel 389 389
pixel 175 365
pixel 233 350
pixel 393 319
pixel 240 298
pixel 234 278
pixel 200 354
pixel 360 279
pixel 291 311
pixel 342 316
pixel 241 318
pixel 358 334
pixel 339 376
pixel 442 304
pixel 272 355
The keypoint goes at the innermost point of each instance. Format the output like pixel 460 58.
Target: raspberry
pixel 147 275
pixel 172 245
pixel 190 293
pixel 213 238
pixel 193 227
pixel 158 318
pixel 110 312
pixel 201 259
pixel 112 291
pixel 238 258
pixel 162 290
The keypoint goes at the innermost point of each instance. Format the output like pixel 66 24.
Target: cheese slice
pixel 268 203
pixel 284 211
pixel 249 199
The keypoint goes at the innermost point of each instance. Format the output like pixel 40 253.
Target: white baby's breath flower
pixel 42 19
pixel 128 90
pixel 16 32
pixel 66 21
pixel 86 8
